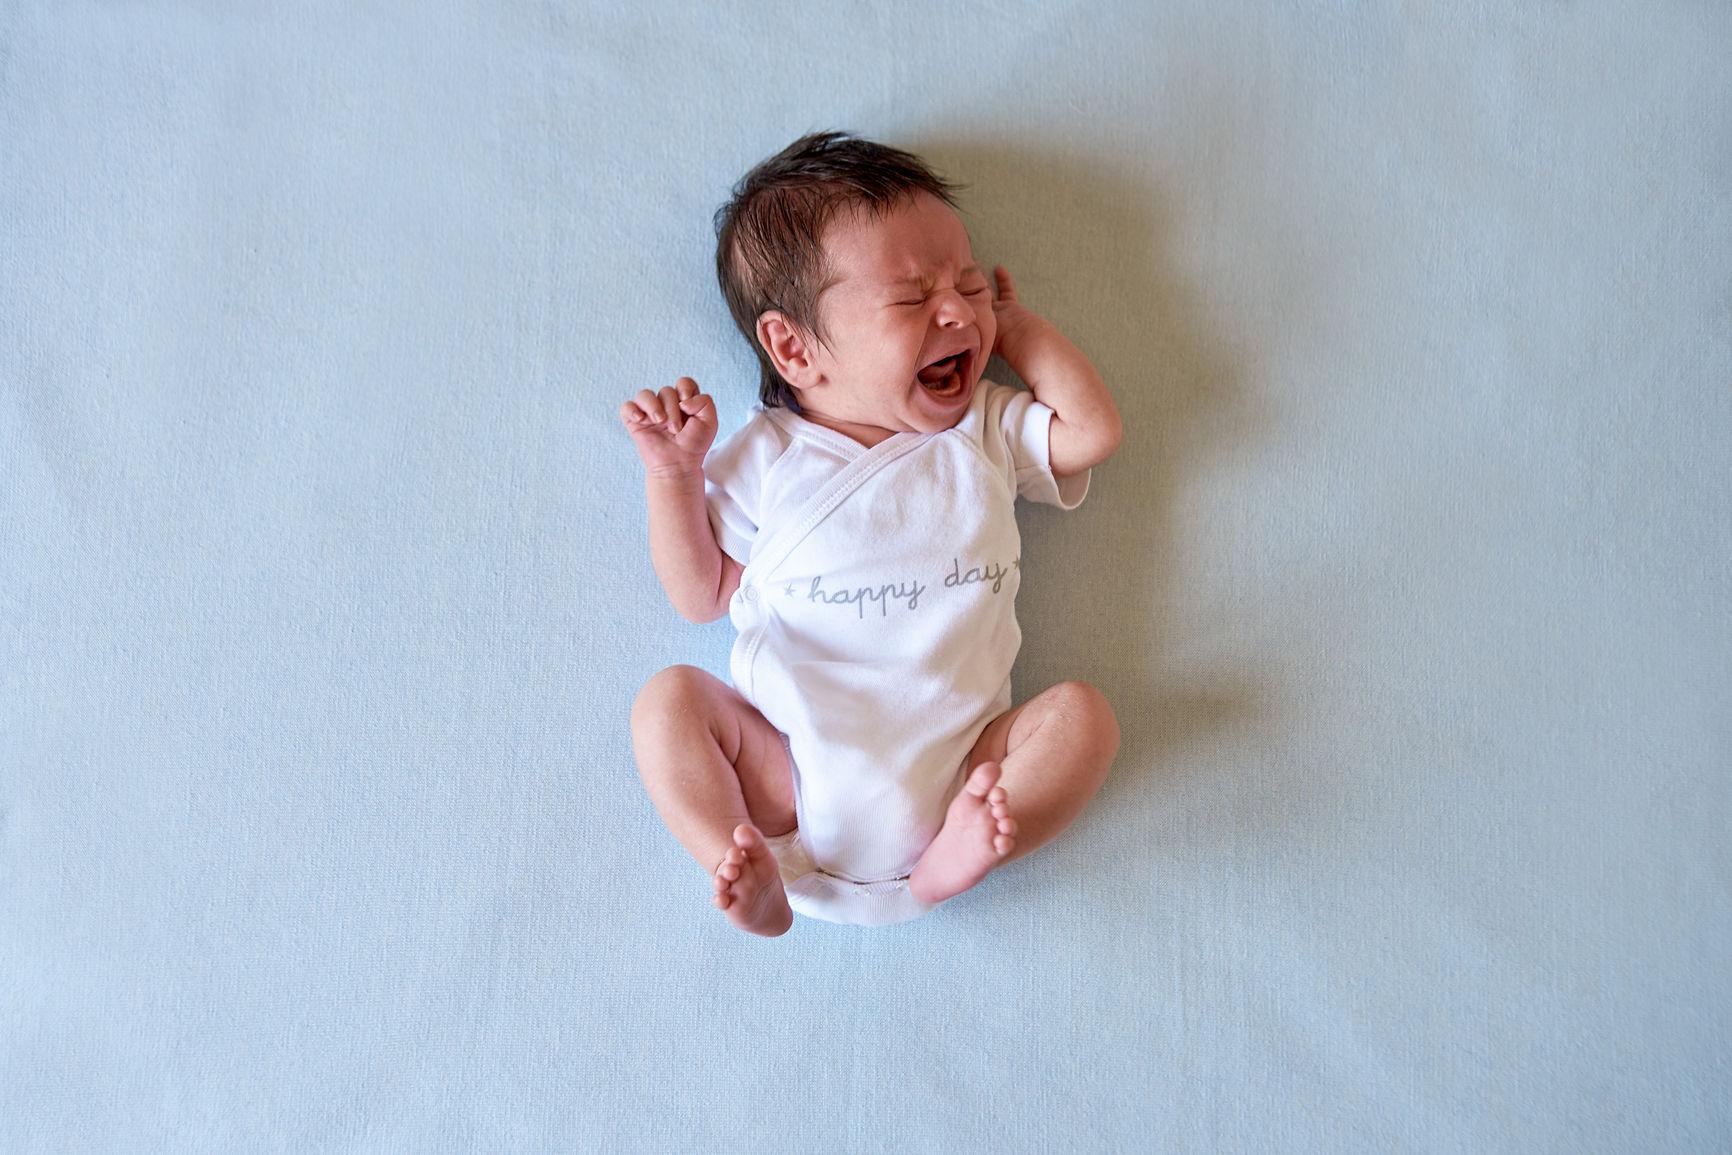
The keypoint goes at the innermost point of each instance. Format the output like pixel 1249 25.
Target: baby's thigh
pixel 761 760
pixel 683 707
pixel 1071 717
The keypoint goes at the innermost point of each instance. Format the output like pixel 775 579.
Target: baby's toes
pixel 1004 841
pixel 983 782
pixel 730 870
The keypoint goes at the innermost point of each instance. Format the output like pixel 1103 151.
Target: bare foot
pixel 748 885
pixel 978 832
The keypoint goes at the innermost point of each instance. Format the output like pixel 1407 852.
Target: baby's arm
pixel 672 432
pixel 1085 424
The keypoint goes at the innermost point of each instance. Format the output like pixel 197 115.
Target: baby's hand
pixel 673 429
pixel 1016 324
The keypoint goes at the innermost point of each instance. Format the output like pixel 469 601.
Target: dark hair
pixel 769 250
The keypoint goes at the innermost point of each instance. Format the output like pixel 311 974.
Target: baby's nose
pixel 953 310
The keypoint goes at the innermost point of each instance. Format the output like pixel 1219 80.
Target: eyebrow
pixel 976 267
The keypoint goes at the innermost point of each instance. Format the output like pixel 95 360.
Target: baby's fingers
pixel 634 417
pixel 644 409
pixel 696 404
pixel 1006 287
pixel 671 409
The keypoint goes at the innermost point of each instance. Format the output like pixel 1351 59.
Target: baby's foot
pixel 748 885
pixel 978 832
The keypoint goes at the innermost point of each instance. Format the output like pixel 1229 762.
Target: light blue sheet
pixel 324 590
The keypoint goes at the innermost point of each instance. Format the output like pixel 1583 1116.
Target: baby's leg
pixel 1031 773
pixel 718 774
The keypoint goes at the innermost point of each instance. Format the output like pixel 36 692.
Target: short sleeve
pixel 1026 426
pixel 734 484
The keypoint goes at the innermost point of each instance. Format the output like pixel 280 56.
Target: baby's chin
pixel 941 410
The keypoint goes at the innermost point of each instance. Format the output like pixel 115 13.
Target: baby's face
pixel 907 322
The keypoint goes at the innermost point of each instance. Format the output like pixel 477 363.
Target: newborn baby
pixel 867 763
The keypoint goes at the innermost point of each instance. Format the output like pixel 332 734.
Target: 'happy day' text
pixel 885 594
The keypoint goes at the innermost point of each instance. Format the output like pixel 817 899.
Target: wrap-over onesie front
pixel 877 624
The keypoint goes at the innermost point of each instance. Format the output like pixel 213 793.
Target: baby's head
pixel 771 255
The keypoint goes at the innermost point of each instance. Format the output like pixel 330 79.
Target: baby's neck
pixel 867 435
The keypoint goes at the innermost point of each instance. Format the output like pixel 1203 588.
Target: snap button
pixel 751 593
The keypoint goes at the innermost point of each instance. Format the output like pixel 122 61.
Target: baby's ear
pixel 790 347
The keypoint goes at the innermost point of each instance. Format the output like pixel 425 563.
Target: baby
pixel 866 764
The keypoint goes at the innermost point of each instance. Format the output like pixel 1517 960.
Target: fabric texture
pixel 325 590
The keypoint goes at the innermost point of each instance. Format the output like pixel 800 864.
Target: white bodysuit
pixel 877 624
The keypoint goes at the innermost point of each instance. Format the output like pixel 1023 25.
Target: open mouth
pixel 947 377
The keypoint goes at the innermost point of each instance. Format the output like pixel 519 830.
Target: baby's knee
pixel 1087 709
pixel 675 692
